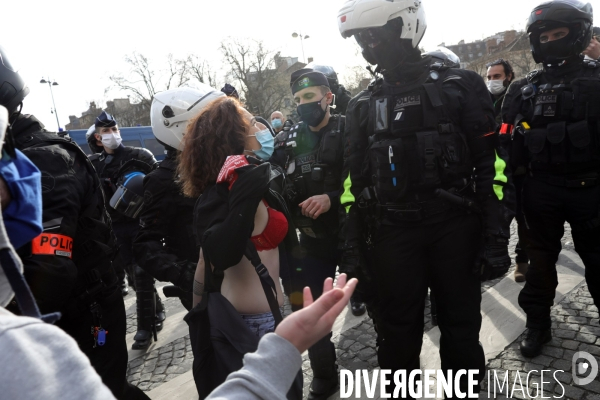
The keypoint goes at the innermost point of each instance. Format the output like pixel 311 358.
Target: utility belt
pixel 315 228
pixel 570 182
pixel 444 201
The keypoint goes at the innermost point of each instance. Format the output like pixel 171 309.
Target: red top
pixel 274 232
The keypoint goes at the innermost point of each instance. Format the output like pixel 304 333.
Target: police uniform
pixel 556 114
pixel 69 266
pixel 110 169
pixel 313 161
pixel 164 246
pixel 406 140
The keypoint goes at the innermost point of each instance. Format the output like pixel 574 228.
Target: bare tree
pixel 354 79
pixel 256 73
pixel 200 70
pixel 178 72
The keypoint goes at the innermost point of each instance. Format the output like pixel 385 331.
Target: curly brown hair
pixel 217 132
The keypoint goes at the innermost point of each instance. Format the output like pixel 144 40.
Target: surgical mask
pixel 496 87
pixel 23 215
pixel 276 123
pixel 312 113
pixel 267 144
pixel 111 141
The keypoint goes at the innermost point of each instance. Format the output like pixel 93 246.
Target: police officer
pixel 112 164
pixel 555 113
pixel 165 246
pixel 69 266
pixel 311 152
pixel 342 96
pixel 412 141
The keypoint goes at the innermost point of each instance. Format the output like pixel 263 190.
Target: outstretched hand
pixel 307 326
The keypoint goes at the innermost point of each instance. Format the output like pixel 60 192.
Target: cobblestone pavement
pixel 575 328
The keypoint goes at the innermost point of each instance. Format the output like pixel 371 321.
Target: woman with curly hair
pixel 238 214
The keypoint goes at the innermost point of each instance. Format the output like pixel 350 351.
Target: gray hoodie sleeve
pixel 268 373
pixel 40 361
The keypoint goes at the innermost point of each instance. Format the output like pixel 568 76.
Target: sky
pixel 79 44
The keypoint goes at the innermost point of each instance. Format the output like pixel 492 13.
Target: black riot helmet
pixel 129 196
pixel 444 56
pixel 326 70
pixel 12 87
pixel 573 14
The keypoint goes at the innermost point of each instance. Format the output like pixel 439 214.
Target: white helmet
pixel 360 14
pixel 91 130
pixel 173 109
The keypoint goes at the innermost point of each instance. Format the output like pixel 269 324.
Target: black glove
pixel 185 281
pixel 493 260
pixel 352 263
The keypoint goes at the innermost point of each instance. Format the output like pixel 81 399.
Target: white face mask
pixel 496 87
pixel 111 141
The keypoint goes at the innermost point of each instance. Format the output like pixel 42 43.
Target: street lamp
pixel 302 37
pixel 50 84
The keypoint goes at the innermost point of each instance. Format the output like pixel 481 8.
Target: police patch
pixel 305 168
pixel 546 99
pixel 304 82
pixel 407 101
pixel 305 160
pixel 550 110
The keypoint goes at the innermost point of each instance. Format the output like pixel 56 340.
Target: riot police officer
pixel 555 113
pixel 342 96
pixel 69 266
pixel 112 164
pixel 311 153
pixel 412 141
pixel 165 245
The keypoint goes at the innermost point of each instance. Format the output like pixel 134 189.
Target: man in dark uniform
pixel 165 246
pixel 500 75
pixel 412 142
pixel 69 266
pixel 311 153
pixel 556 114
pixel 111 164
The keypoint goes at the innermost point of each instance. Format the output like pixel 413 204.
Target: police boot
pixel 357 306
pixel 520 272
pixel 325 371
pixel 161 314
pixel 534 340
pixel 146 309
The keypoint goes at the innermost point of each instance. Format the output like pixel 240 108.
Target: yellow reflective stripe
pixel 347 196
pixel 500 167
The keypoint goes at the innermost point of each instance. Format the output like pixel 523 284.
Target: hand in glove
pixel 352 263
pixel 185 281
pixel 493 260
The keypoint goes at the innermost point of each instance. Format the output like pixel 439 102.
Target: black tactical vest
pixel 564 122
pixel 413 145
pixel 314 171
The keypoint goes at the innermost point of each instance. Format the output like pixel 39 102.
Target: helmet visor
pixel 372 37
pixel 127 202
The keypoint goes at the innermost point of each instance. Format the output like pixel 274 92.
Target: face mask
pixel 267 144
pixel 556 50
pixel 312 113
pixel 276 123
pixel 111 141
pixel 496 87
pixel 23 216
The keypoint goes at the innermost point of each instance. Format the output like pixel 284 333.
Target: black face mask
pixel 312 113
pixel 556 50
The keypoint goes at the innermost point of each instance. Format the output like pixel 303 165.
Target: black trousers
pixel 408 260
pixel 110 360
pixel 521 252
pixel 546 209
pixel 319 263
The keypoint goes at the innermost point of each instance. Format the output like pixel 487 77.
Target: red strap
pixel 506 129
pixel 52 244
pixel 228 173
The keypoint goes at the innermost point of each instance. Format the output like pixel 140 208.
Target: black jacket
pixel 72 208
pixel 165 241
pixel 108 167
pixel 224 221
pixel 468 104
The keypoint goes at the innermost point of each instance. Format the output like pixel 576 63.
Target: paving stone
pixel 562 364
pixel 356 347
pixel 160 370
pixel 570 344
pixel 592 396
pixel 585 300
pixel 543 360
pixel 494 364
pixel 175 369
pixel 554 352
pixel 136 362
pixel 512 365
pixel 564 377
pixel 154 385
pixel 366 353
pixel 165 349
pixel 177 361
pixel 577 320
pixel 346 343
pixel 165 356
pixel 144 385
pixel 561 333
pixel 571 391
pixel 592 330
pixel 179 353
pixel 158 378
pixel 568 326
pixel 152 355
pixel 586 337
pixel 533 367
pixel 145 377
pixel 594 386
pixel 590 348
pixel 179 346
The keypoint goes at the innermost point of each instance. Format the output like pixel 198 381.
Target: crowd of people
pixel 410 187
